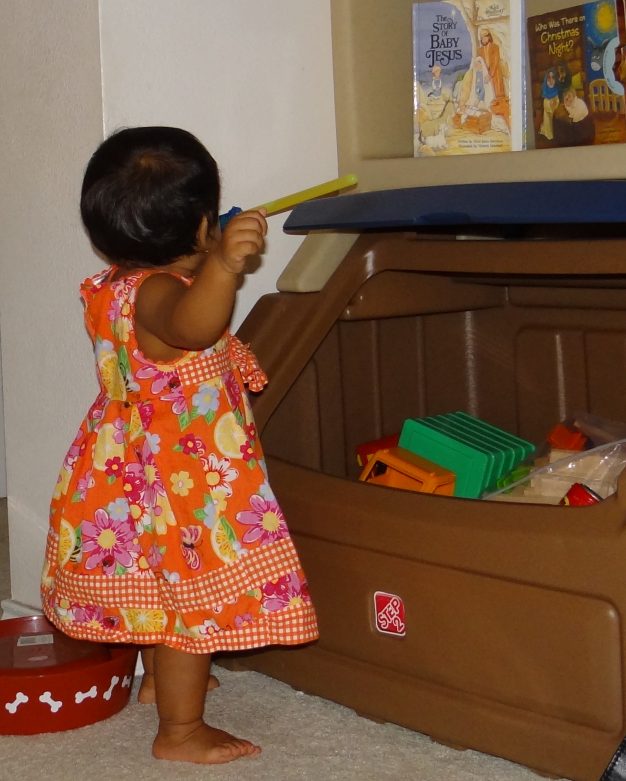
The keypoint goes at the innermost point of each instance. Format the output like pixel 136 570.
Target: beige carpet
pixel 303 738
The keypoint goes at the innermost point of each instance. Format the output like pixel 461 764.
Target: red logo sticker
pixel 389 612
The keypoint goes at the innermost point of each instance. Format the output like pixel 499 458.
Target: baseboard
pixel 12 609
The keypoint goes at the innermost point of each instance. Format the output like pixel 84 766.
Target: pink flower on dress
pixel 118 436
pixel 247 450
pixel 233 391
pixel 244 619
pixel 109 542
pixel 190 443
pixel 134 482
pixel 288 590
pixel 265 519
pixel 77 448
pixel 154 556
pixel 84 484
pixel 115 310
pixel 113 467
pixel 160 379
pixel 87 614
pixel 120 311
pixel 95 414
pixel 153 486
pixel 176 395
pixel 96 411
pixel 146 411
pixel 142 482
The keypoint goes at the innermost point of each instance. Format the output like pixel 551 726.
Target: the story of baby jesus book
pixel 468 77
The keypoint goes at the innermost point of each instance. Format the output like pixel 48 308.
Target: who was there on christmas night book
pixel 468 77
pixel 576 99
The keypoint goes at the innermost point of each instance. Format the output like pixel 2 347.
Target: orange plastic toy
pixel 365 451
pixel 399 468
pixel 563 437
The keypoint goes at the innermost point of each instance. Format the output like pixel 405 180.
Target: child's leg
pixel 181 681
pixel 146 694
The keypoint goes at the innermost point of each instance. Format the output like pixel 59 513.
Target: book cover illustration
pixel 576 97
pixel 619 65
pixel 467 77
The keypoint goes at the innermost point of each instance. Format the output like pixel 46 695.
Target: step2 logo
pixel 389 612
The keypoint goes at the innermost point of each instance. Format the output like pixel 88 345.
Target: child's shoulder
pixel 121 283
pixel 96 281
pixel 113 278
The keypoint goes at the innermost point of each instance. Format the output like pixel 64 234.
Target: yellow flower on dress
pixel 62 483
pixel 181 483
pixel 144 619
pixel 165 517
pixel 219 501
pixel 136 427
pixel 111 375
pixel 106 447
pixel 121 326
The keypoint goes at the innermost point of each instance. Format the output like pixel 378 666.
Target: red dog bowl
pixel 50 682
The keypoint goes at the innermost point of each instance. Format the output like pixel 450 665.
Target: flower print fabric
pixel 163 526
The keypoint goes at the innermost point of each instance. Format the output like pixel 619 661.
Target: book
pixel 619 65
pixel 576 97
pixel 468 77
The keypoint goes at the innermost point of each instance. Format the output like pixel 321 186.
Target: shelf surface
pixel 589 202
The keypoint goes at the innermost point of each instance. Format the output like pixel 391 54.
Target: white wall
pixel 3 466
pixel 252 79
pixel 51 118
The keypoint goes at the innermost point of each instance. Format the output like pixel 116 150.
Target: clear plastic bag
pixel 598 469
pixel 600 431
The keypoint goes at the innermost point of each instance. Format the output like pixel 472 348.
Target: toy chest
pixel 494 626
pixel 508 632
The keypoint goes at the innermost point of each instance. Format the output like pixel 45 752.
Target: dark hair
pixel 145 192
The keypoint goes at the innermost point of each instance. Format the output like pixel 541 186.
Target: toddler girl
pixel 164 530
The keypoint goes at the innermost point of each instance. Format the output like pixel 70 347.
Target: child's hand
pixel 243 236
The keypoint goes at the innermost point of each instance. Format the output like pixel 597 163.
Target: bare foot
pixel 147 693
pixel 200 743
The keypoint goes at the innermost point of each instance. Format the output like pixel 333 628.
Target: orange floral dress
pixel 163 525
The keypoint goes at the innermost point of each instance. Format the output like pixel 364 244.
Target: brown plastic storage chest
pixel 514 614
pixel 514 640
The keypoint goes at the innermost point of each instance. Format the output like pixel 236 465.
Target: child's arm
pixel 193 317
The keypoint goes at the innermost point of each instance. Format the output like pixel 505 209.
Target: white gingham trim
pixel 145 590
pixel 203 367
pixel 291 626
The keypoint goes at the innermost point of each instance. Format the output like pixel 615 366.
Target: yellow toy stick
pixel 326 188
pixel 289 201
